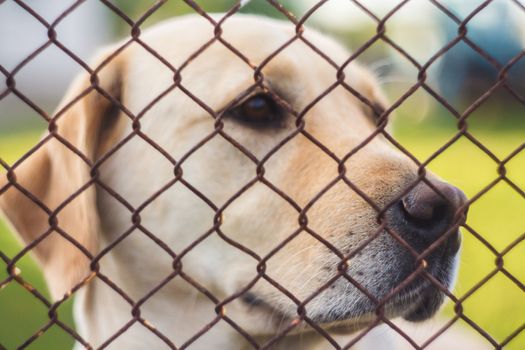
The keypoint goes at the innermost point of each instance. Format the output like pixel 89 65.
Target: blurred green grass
pixel 498 306
pixel 22 315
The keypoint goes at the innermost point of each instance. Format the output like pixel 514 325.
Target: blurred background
pixel 421 28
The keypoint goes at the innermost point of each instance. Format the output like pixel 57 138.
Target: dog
pixel 210 194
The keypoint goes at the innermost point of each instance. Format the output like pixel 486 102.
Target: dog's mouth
pixel 258 304
pixel 416 302
pixel 428 304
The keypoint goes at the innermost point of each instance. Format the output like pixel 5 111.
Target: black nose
pixel 427 214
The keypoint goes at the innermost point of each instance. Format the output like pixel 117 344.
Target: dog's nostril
pixel 423 215
pixel 424 207
pixel 430 212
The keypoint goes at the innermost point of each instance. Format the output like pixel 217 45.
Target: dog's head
pixel 252 167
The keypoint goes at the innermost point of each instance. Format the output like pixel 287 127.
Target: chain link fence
pixel 301 319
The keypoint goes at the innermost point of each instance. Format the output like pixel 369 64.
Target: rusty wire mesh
pixel 381 35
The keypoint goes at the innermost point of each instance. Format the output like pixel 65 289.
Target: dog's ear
pixel 50 197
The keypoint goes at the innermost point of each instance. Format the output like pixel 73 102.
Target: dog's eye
pixel 258 111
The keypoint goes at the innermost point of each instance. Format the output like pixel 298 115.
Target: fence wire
pixel 381 35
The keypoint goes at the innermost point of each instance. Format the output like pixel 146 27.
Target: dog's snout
pixel 428 213
pixel 429 208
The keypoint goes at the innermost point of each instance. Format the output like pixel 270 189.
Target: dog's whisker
pixel 389 79
pixel 378 67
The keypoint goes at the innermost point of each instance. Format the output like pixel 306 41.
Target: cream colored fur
pixel 258 219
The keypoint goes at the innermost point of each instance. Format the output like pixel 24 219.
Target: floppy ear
pixel 61 180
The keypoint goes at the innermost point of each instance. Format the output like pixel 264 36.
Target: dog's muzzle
pixel 428 219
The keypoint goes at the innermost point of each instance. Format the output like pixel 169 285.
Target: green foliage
pixel 22 315
pixel 137 9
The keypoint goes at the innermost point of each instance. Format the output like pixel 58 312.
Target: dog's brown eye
pixel 259 110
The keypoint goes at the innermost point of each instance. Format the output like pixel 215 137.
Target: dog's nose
pixel 428 213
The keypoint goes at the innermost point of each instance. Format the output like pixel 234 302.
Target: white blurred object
pixel 345 14
pixel 244 2
pixel 457 337
pixel 45 78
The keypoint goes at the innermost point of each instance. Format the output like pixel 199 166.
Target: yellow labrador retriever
pixel 217 188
